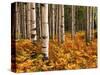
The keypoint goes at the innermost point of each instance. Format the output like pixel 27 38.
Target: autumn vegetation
pixel 67 56
pixel 48 37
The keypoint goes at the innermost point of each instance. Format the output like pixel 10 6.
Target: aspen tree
pixel 24 19
pixel 56 21
pixel 33 26
pixel 73 22
pixel 90 24
pixel 28 20
pixel 45 29
pixel 38 21
pixel 59 23
pixel 53 21
pixel 17 21
pixel 62 24
pixel 87 25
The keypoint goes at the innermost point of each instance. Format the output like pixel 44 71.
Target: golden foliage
pixel 72 54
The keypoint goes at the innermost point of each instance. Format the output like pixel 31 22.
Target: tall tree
pixel 53 21
pixel 56 20
pixel 59 23
pixel 50 19
pixel 33 27
pixel 62 24
pixel 24 20
pixel 17 16
pixel 38 21
pixel 73 22
pixel 90 23
pixel 45 29
pixel 28 20
pixel 87 25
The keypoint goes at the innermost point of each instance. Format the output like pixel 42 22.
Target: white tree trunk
pixel 28 20
pixel 73 22
pixel 33 27
pixel 45 30
pixel 24 20
pixel 90 24
pixel 17 21
pixel 62 24
pixel 59 23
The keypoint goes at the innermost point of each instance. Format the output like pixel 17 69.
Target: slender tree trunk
pixel 33 27
pixel 50 20
pixel 62 24
pixel 24 19
pixel 73 22
pixel 87 25
pixel 59 23
pixel 45 29
pixel 29 20
pixel 17 21
pixel 38 21
pixel 56 21
pixel 90 24
pixel 53 21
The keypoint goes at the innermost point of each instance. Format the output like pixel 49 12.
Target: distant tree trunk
pixel 17 21
pixel 50 20
pixel 73 22
pixel 29 20
pixel 24 20
pixel 38 21
pixel 45 30
pixel 53 21
pixel 62 24
pixel 90 24
pixel 56 21
pixel 59 23
pixel 33 27
pixel 87 25
pixel 76 27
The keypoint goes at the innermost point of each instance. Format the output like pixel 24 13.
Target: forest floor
pixel 72 54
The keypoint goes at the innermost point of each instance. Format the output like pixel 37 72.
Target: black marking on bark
pixel 33 35
pixel 42 5
pixel 44 47
pixel 44 37
pixel 33 29
pixel 33 8
pixel 25 3
pixel 62 26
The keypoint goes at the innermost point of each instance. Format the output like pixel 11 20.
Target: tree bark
pixel 53 21
pixel 87 25
pixel 45 30
pixel 59 23
pixel 29 20
pixel 62 24
pixel 17 21
pixel 33 27
pixel 73 22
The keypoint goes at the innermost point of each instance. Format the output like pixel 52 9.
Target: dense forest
pixel 47 37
